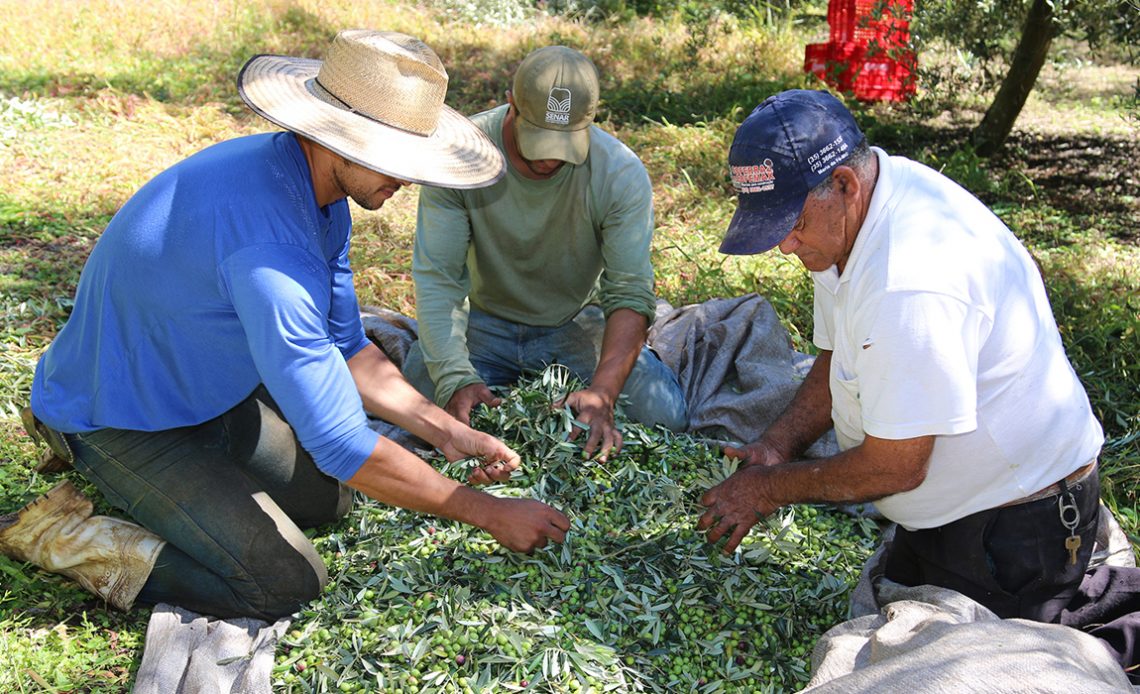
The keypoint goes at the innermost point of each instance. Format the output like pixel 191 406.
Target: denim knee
pixel 280 577
pixel 294 581
pixel 670 413
pixel 654 394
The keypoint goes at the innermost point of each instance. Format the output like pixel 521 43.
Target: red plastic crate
pixel 866 21
pixel 867 54
pixel 871 75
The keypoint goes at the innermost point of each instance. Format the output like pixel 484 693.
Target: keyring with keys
pixel 1070 518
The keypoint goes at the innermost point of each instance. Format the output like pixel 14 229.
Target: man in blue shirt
pixel 213 378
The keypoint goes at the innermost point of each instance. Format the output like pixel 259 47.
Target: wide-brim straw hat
pixel 377 100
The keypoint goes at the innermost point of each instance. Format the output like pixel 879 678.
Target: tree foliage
pixel 1010 40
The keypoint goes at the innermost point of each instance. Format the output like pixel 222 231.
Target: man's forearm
pixel 386 394
pixel 870 471
pixel 395 476
pixel 621 344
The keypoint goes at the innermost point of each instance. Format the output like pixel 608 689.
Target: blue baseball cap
pixel 788 145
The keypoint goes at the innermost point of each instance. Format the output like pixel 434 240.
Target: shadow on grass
pixel 1088 178
pixel 732 97
pixel 41 255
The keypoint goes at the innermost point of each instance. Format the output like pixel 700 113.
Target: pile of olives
pixel 634 600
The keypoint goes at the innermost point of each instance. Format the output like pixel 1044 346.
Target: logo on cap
pixel 755 178
pixel 558 106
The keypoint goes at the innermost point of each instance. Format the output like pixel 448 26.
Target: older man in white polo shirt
pixel 941 370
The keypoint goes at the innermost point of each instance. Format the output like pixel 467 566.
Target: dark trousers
pixel 1013 561
pixel 230 496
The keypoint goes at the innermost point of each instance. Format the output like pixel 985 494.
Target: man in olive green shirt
pixel 509 277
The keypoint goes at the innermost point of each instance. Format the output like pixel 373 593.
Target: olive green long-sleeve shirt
pixel 531 252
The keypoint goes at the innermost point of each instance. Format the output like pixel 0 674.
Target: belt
pixel 1075 477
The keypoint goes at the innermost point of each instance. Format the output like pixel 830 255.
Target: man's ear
pixel 846 180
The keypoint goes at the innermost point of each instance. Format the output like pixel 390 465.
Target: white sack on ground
pixel 188 653
pixel 929 640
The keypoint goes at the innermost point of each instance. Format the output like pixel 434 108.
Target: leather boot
pixel 109 557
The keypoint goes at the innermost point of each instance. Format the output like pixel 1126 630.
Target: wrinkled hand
pixel 756 453
pixel 523 525
pixel 736 504
pixel 466 398
pixel 497 459
pixel 597 413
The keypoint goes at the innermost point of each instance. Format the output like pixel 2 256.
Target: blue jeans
pixel 501 351
pixel 230 496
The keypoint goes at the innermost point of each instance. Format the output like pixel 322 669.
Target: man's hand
pixel 737 504
pixel 597 412
pixel 756 453
pixel 523 525
pixel 466 398
pixel 392 475
pixel 497 459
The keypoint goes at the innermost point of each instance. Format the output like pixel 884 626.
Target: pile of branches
pixel 634 600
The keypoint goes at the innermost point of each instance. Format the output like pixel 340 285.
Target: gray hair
pixel 859 161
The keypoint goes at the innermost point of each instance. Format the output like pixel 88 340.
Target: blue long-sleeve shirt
pixel 218 275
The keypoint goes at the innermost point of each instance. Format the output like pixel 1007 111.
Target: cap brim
pixel 457 155
pixel 537 143
pixel 756 229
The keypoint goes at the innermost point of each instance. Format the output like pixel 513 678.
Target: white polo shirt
pixel 940 325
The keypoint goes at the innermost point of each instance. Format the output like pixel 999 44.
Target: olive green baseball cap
pixel 556 93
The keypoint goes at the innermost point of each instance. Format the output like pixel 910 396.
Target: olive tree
pixel 1017 35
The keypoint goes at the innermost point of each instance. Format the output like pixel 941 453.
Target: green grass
pixel 95 98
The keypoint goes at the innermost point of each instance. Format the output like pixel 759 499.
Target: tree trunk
pixel 1028 58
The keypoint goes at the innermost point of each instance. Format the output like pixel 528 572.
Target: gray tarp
pixel 736 365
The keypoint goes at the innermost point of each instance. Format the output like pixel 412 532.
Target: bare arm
pixel 621 343
pixel 395 476
pixel 803 421
pixel 386 394
pixel 869 471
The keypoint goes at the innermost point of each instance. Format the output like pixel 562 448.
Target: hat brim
pixel 537 143
pixel 756 229
pixel 282 90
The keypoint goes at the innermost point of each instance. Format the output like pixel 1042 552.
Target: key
pixel 1073 543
